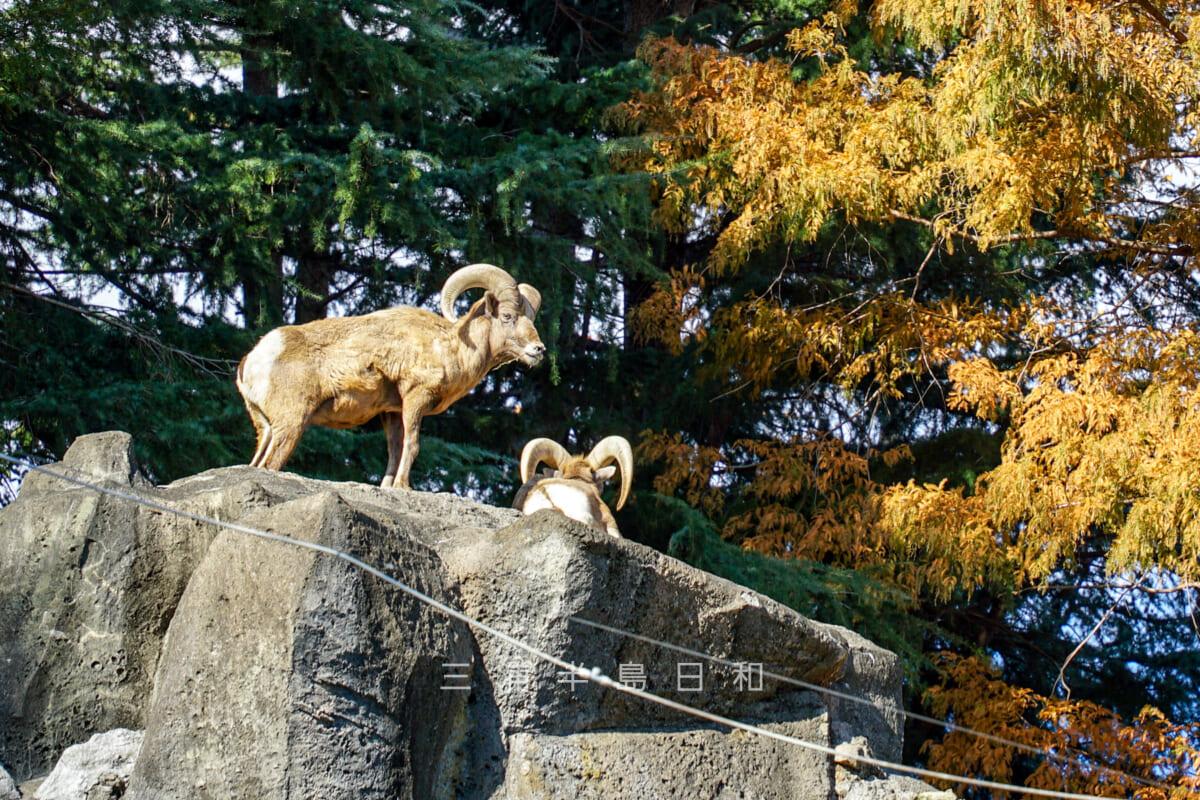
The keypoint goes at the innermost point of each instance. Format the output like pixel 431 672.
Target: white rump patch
pixel 256 372
pixel 573 502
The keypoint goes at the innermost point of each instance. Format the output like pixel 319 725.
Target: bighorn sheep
pixel 573 484
pixel 403 363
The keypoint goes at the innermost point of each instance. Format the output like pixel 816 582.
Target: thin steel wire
pixel 950 727
pixel 593 674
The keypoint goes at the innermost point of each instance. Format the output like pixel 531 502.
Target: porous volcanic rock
pixel 275 667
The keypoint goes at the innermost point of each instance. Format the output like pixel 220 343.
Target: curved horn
pixel 475 276
pixel 538 450
pixel 608 450
pixel 531 299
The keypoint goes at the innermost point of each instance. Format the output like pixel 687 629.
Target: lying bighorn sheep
pixel 404 363
pixel 574 483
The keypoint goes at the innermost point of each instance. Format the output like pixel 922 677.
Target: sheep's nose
pixel 533 353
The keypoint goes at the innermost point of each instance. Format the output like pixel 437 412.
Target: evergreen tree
pixel 262 163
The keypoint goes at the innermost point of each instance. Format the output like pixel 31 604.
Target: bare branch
pixel 1180 250
pixel 214 367
pixel 1061 679
pixel 1158 16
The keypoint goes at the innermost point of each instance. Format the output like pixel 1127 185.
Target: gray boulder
pixel 87 586
pixel 535 578
pixel 8 787
pixel 94 770
pixel 290 672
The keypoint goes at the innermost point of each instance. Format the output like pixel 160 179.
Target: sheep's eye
pixel 506 317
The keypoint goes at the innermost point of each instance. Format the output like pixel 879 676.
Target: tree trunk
pixel 314 274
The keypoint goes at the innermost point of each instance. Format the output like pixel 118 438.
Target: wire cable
pixel 950 727
pixel 593 674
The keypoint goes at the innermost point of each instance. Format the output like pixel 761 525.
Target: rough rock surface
pixel 289 672
pixel 891 787
pixel 87 586
pixel 97 768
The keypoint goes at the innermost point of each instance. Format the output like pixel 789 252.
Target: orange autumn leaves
pixel 1092 750
pixel 1100 442
pixel 1044 120
pixel 1041 119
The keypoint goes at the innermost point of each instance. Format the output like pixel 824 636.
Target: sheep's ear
pixel 491 303
pixel 605 474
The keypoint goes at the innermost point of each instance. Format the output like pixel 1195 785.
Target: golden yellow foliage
pixel 1042 120
pixel 1031 126
pixel 829 478
pixel 784 154
pixel 689 469
pixel 946 538
pixel 877 344
pixel 670 316
pixel 815 500
pixel 1104 442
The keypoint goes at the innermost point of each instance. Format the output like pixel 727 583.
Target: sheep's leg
pixel 264 444
pixel 262 431
pixel 410 418
pixel 283 441
pixel 412 446
pixel 393 426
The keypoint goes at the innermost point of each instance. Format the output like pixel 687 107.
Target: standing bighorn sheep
pixel 573 484
pixel 404 363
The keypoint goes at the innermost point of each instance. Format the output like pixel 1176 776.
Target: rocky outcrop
pixel 97 769
pixel 261 669
pixel 8 787
pixel 286 668
pixel 88 583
